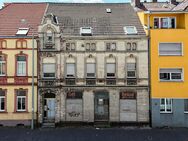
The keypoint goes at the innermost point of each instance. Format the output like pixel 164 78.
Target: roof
pixel 72 16
pixel 164 6
pixel 12 14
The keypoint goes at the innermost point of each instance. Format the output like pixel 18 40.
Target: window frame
pixel 172 80
pixel 5 62
pixel 21 43
pixel 186 112
pixel 182 47
pixel 133 33
pixel 110 46
pixel 51 73
pixel 5 100
pixel 16 65
pixel 16 100
pixel 1 44
pixel 165 106
pixel 74 76
pixel 168 22
pixel 94 70
pixel 107 70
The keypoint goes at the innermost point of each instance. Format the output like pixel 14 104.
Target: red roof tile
pixel 12 14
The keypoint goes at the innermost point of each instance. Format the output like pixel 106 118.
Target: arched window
pixel 3 44
pixel 21 43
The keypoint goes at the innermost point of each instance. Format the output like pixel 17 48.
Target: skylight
pixel 22 31
pixel 86 31
pixel 130 30
pixel 108 10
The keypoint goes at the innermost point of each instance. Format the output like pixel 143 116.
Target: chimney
pixel 136 3
pixel 154 1
pixel 173 2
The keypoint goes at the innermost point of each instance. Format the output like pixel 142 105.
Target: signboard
pixel 128 95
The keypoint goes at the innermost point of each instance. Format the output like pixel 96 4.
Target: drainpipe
pixel 149 69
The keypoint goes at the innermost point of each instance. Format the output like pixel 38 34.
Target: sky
pixel 72 1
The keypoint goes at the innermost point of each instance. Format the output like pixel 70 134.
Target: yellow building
pixel 17 27
pixel 167 26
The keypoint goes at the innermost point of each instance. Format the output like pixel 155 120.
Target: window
pixel 186 105
pixel 110 46
pixel 21 44
pixel 22 31
pixel 170 49
pixel 131 46
pixel 48 70
pixel 171 74
pixel 3 44
pixel 130 30
pixel 165 22
pixel 21 65
pixel 2 100
pixel 110 69
pixel 2 65
pixel 90 46
pixel 70 46
pixel 21 100
pixel 70 70
pixel 90 69
pixel 86 31
pixel 166 105
pixel 131 70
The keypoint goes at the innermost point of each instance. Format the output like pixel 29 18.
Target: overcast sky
pixel 72 1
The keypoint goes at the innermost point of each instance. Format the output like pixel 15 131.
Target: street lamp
pixel 32 121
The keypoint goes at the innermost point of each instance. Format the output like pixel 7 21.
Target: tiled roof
pixel 12 14
pixel 158 6
pixel 72 16
pixel 183 6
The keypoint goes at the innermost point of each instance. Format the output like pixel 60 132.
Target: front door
pixel 101 106
pixel 50 108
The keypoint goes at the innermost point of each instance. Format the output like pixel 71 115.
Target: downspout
pixel 149 70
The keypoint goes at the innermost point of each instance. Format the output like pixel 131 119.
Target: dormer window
pixel 22 31
pixel 86 31
pixel 129 30
pixel 49 35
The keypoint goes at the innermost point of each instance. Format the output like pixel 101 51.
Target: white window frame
pixel 1 63
pixel 160 22
pixel 86 31
pixel 182 53
pixel 133 33
pixel 165 99
pixel 21 63
pixel 20 110
pixel 186 112
pixel 22 31
pixel 172 80
pixel 2 97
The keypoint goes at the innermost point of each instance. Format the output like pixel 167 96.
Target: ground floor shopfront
pixel 89 105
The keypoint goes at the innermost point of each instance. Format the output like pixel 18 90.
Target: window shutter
pixel 91 68
pixel 170 70
pixel 49 68
pixel 170 49
pixel 111 68
pixel 71 69
pixel 131 66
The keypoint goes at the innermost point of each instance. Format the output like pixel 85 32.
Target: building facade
pixel 167 29
pixel 92 67
pixel 16 62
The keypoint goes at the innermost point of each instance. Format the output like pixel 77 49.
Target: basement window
pixel 130 30
pixel 22 31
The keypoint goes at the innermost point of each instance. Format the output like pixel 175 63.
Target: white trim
pixel 1 63
pixel 172 80
pixel 20 110
pixel 166 112
pixel 125 30
pixel 182 47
